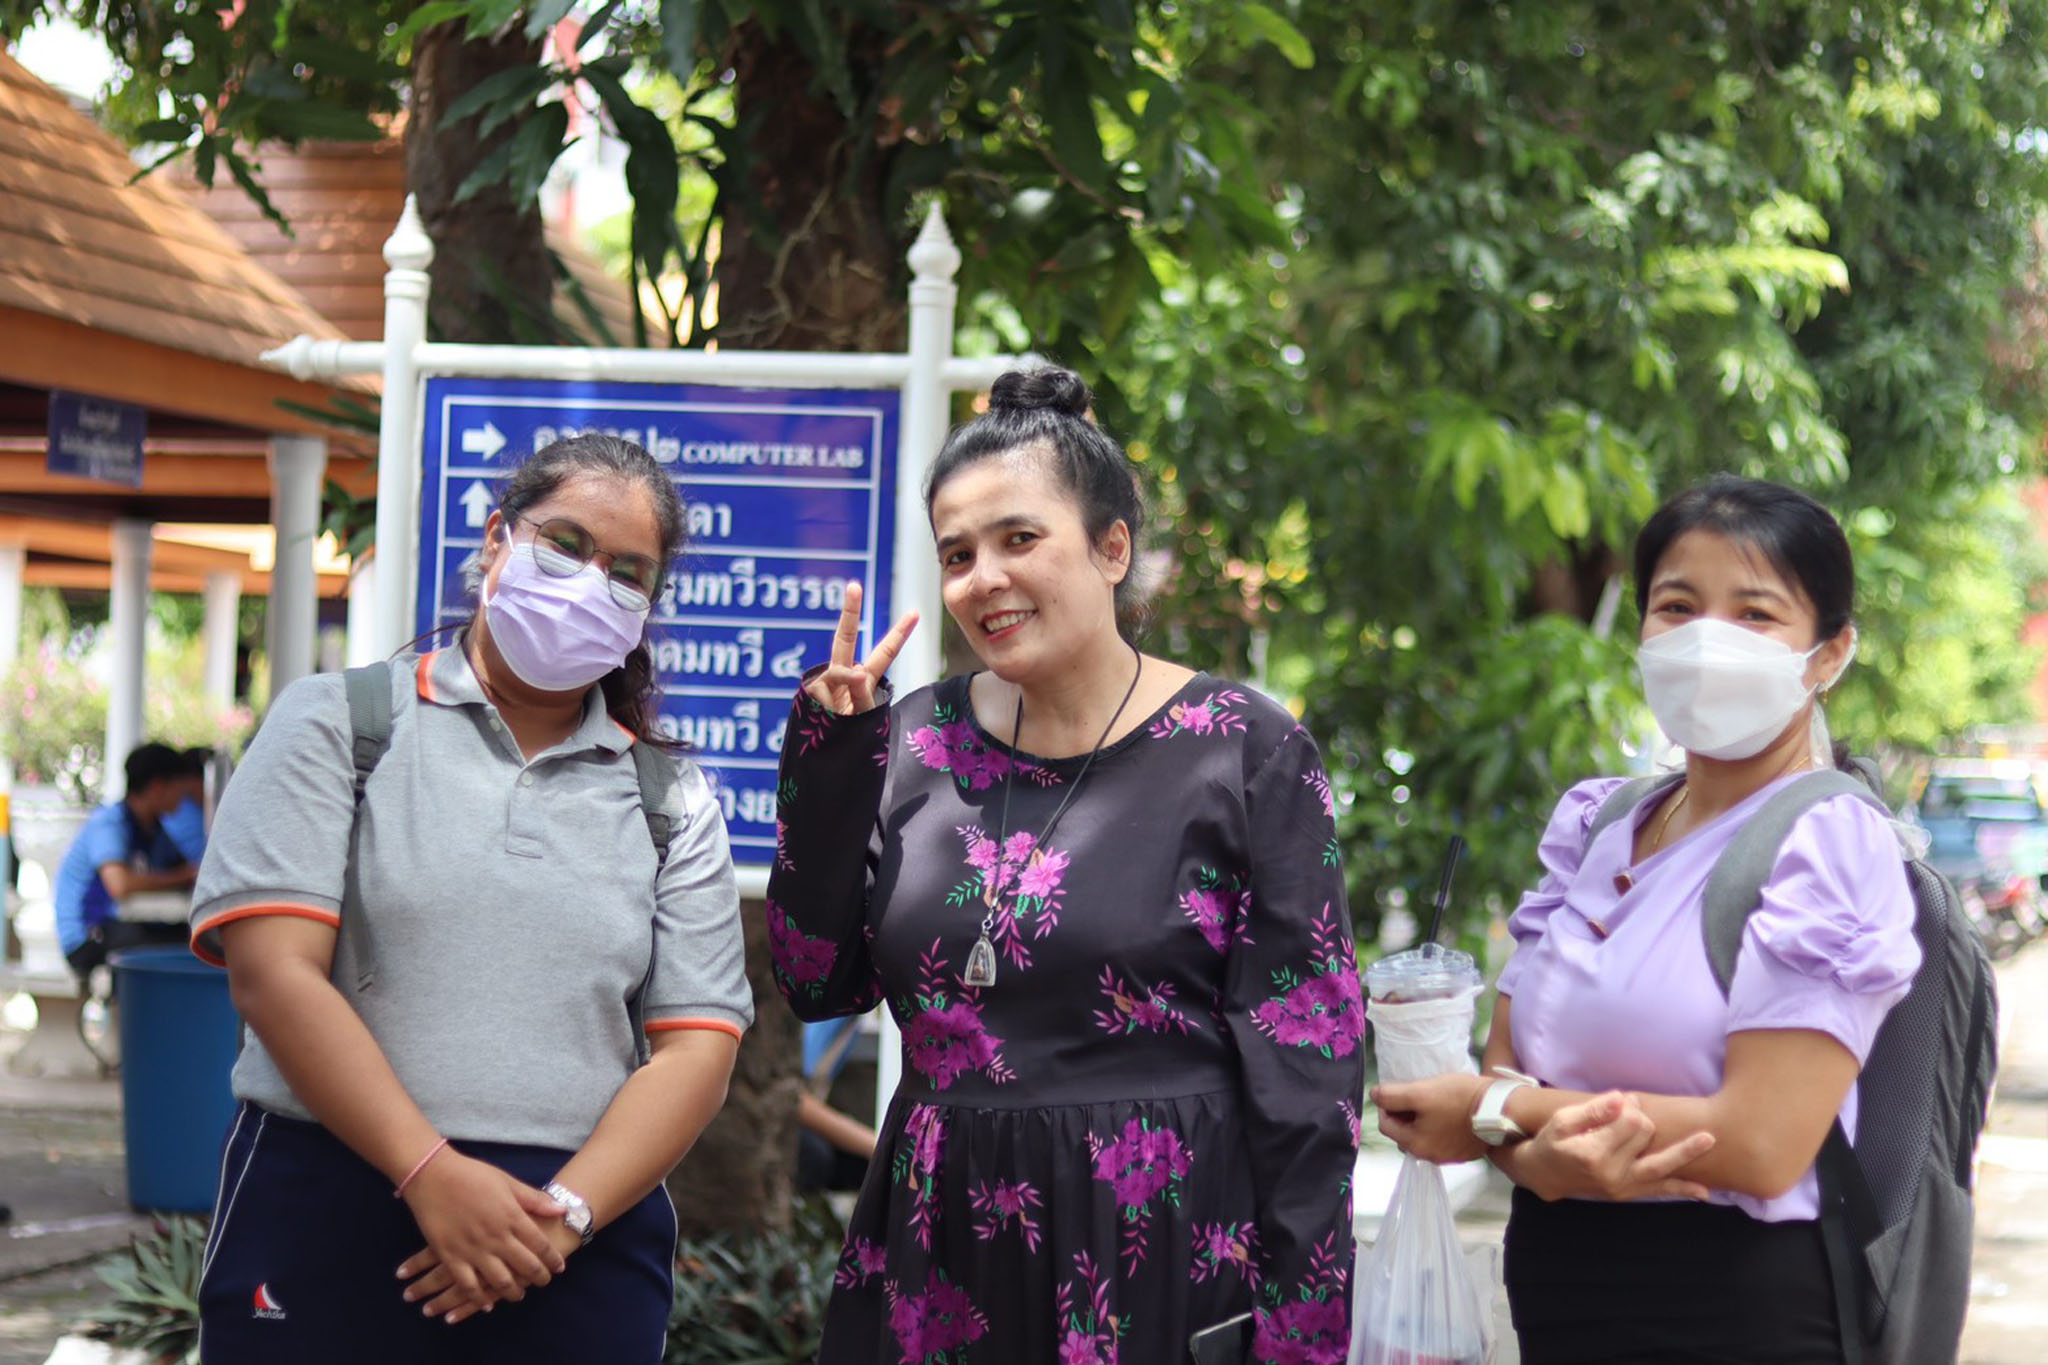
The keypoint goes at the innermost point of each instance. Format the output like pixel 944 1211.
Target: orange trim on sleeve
pixel 425 673
pixel 261 908
pixel 721 1025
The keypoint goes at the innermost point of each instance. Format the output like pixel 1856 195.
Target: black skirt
pixel 1666 1282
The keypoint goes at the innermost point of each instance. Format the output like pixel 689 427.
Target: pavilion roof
pixel 80 243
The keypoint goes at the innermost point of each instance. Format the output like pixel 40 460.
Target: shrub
pixel 156 1293
pixel 757 1300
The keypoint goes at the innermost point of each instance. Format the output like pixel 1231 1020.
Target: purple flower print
pixel 1314 1326
pixel 915 1166
pixel 1318 781
pixel 1140 1164
pixel 1306 1332
pixel 1220 907
pixel 945 1039
pixel 944 1044
pixel 1323 1010
pixel 1042 874
pixel 1089 1331
pixel 933 1326
pixel 1003 1202
pixel 950 744
pixel 802 962
pixel 1215 714
pixel 813 723
pixel 859 1262
pixel 1221 1247
pixel 1027 881
pixel 1132 1010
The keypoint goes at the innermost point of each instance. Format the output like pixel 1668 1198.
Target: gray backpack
pixel 1896 1214
pixel 368 688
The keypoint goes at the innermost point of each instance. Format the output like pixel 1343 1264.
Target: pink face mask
pixel 558 634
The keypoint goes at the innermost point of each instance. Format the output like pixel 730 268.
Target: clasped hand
pixel 1599 1148
pixel 489 1236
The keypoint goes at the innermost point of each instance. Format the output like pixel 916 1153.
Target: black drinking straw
pixel 1443 888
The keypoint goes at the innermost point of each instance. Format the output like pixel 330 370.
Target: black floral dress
pixel 1147 1123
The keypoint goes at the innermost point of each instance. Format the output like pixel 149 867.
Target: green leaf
pixel 1262 23
pixel 501 93
pixel 163 130
pixel 679 35
pixel 545 14
pixel 427 16
pixel 312 122
pixel 534 149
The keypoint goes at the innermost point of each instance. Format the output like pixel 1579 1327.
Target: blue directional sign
pixel 789 494
pixel 96 438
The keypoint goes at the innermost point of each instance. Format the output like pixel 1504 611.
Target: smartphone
pixel 1228 1342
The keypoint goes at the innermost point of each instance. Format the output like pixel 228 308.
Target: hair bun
pixel 1048 386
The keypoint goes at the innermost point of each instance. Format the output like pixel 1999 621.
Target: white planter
pixel 44 827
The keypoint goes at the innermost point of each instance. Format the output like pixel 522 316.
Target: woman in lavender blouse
pixel 1666 1207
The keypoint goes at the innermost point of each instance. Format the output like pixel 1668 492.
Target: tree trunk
pixel 741 1175
pixel 492 279
pixel 809 262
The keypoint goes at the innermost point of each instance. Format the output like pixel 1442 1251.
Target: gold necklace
pixel 1684 793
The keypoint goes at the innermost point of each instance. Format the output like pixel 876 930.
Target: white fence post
pixel 408 252
pixel 934 260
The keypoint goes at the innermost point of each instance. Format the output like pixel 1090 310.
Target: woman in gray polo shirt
pixel 443 987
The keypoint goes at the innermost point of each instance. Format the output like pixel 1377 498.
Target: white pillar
pixel 408 252
pixel 127 625
pixel 13 566
pixel 297 464
pixel 362 612
pixel 220 634
pixel 934 261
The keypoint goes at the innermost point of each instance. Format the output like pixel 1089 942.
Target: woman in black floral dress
pixel 1101 895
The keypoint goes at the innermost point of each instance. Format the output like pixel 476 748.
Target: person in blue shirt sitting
pixel 184 829
pixel 123 850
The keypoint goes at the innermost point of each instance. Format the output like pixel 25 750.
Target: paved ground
pixel 61 1170
pixel 2009 1300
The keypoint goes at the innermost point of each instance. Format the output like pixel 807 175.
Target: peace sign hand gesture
pixel 846 687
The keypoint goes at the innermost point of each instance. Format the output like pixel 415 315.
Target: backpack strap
pixel 369 718
pixel 368 688
pixel 1848 1222
pixel 657 776
pixel 1736 884
pixel 657 779
pixel 1626 798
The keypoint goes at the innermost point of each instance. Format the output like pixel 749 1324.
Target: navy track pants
pixel 306 1242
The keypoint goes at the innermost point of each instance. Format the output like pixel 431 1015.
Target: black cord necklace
pixel 981 959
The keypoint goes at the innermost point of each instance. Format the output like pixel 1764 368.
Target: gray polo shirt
pixel 495 915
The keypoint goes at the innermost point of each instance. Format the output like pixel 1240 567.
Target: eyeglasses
pixel 562 548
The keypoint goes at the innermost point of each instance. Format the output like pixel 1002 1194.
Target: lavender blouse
pixel 1830 948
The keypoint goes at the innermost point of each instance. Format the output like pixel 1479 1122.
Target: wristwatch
pixel 576 1214
pixel 1490 1121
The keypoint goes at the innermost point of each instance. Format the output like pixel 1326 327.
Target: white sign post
pixel 925 374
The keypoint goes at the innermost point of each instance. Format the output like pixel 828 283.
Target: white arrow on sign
pixel 485 442
pixel 476 503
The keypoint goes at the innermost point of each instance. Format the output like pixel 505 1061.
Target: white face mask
pixel 1721 691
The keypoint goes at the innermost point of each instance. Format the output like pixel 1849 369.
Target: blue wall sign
pixel 96 438
pixel 789 494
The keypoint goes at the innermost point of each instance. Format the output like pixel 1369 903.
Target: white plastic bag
pixel 1413 1300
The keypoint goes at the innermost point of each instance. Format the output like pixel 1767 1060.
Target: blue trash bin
pixel 178 1044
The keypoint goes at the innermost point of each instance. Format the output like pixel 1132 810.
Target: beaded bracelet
pixel 432 1152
